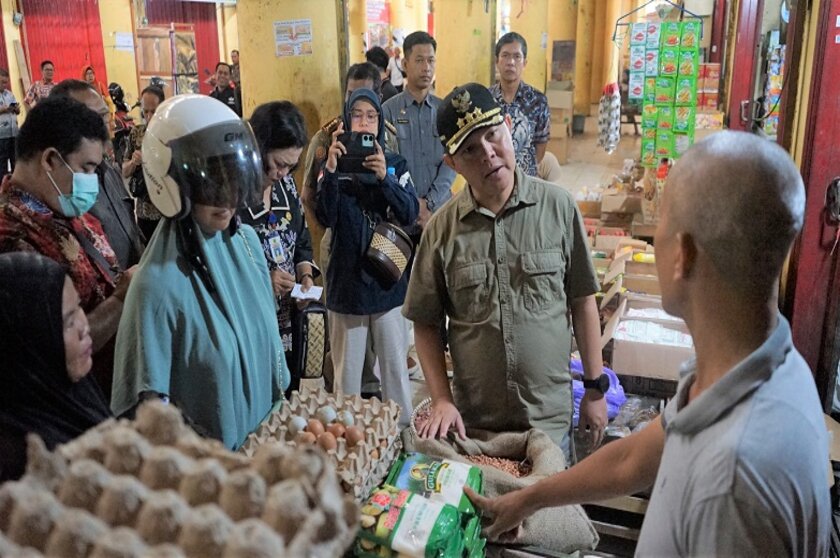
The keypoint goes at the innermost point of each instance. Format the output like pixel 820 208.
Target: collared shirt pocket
pixel 543 277
pixel 468 292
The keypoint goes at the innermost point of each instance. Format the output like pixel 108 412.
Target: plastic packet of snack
pixel 638 33
pixel 665 118
pixel 668 61
pixel 685 94
pixel 685 119
pixel 637 58
pixel 664 144
pixel 649 158
pixel 670 34
pixel 689 63
pixel 648 133
pixel 652 62
pixel 440 480
pixel 650 90
pixel 681 144
pixel 636 86
pixel 665 91
pixel 650 113
pixel 654 32
pixel 690 34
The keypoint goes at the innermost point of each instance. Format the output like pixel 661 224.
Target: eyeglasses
pixel 370 117
pixel 516 56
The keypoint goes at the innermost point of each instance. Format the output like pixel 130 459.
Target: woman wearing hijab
pixel 199 325
pixel 45 387
pixel 89 77
pixel 359 304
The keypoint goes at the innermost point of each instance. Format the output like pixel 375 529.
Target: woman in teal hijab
pixel 199 325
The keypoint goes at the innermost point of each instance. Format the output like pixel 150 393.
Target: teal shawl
pixel 216 355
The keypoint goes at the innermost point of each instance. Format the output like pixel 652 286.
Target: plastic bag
pixel 440 480
pixel 615 394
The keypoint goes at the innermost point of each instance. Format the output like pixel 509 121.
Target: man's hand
pixel 282 282
pixel 593 416
pixel 507 512
pixel 444 416
pixel 137 158
pixel 376 163
pixel 424 215
pixel 123 282
pixel 336 150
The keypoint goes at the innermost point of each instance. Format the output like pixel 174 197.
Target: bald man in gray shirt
pixel 739 459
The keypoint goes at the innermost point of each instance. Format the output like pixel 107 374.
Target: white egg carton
pixel 361 468
pixel 152 487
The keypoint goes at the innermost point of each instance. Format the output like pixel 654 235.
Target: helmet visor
pixel 219 166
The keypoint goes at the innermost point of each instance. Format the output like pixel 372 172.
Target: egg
pixel 297 424
pixel 325 414
pixel 315 426
pixel 336 429
pixel 327 441
pixel 304 437
pixel 354 436
pixel 346 418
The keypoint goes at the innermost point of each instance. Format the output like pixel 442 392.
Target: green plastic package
pixel 398 522
pixel 649 158
pixel 689 64
pixel 648 133
pixel 685 119
pixel 665 118
pixel 665 91
pixel 650 116
pixel 685 94
pixel 690 36
pixel 440 480
pixel 664 144
pixel 669 59
pixel 670 33
pixel 650 91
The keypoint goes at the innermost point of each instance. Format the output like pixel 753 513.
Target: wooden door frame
pixel 812 294
pixel 718 39
pixel 742 73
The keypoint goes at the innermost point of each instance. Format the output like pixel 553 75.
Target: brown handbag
pixel 389 251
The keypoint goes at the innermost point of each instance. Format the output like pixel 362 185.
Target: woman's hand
pixel 282 282
pixel 376 163
pixel 305 284
pixel 336 150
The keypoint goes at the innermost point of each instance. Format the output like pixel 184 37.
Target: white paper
pixel 124 41
pixel 314 292
pixel 651 332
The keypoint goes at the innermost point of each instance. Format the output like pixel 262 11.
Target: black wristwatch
pixel 600 384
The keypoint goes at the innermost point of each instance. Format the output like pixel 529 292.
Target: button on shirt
pixel 505 281
pixel 8 120
pixel 744 467
pixel 420 144
pixel 530 123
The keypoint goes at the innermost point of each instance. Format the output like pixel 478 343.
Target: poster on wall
pixel 563 61
pixel 378 17
pixel 293 37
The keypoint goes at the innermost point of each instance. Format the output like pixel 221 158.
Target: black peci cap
pixel 468 107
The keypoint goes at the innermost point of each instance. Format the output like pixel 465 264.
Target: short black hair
pixel 222 64
pixel 278 125
pixel 235 50
pixel 366 71
pixel 60 122
pixel 156 91
pixel 4 72
pixel 45 62
pixel 512 37
pixel 378 57
pixel 69 86
pixel 418 38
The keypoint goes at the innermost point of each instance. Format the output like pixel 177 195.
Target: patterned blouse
pixel 531 119
pixel 286 242
pixel 28 225
pixel 37 91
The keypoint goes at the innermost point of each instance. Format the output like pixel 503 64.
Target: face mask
pixel 83 196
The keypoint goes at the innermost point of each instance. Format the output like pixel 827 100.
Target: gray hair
pixel 742 199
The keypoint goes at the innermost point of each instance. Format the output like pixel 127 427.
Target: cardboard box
pixel 590 208
pixel 561 121
pixel 709 102
pixel 642 284
pixel 621 203
pixel 560 148
pixel 712 70
pixel 710 120
pixel 558 99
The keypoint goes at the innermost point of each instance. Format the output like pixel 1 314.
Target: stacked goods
pixel 361 437
pixel 773 88
pixel 670 89
pixel 708 88
pixel 152 487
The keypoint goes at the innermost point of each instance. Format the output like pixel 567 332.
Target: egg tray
pixel 361 468
pixel 152 487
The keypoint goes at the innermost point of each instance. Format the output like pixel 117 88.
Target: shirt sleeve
pixel 580 274
pixel 542 116
pixel 441 189
pixel 30 94
pixel 424 302
pixel 728 526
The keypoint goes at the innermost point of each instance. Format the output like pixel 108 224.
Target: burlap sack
pixel 562 529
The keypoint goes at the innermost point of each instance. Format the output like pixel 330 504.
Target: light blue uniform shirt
pixel 744 471
pixel 217 355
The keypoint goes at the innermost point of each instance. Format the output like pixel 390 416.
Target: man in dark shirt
pixel 379 58
pixel 223 91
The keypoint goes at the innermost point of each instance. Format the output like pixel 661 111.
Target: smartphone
pixel 359 146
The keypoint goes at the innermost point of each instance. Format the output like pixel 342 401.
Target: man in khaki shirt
pixel 507 261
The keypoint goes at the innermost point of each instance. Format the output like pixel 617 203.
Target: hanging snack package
pixel 690 35
pixel 650 90
pixel 665 118
pixel 648 133
pixel 650 115
pixel 684 119
pixel 649 158
pixel 664 144
pixel 686 92
pixel 670 34
pixel 636 86
pixel 681 144
pixel 638 34
pixel 439 480
pixel 689 63
pixel 637 58
pixel 652 62
pixel 668 61
pixel 665 91
pixel 653 33
pixel 395 521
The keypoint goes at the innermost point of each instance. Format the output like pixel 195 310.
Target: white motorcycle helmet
pixel 197 150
